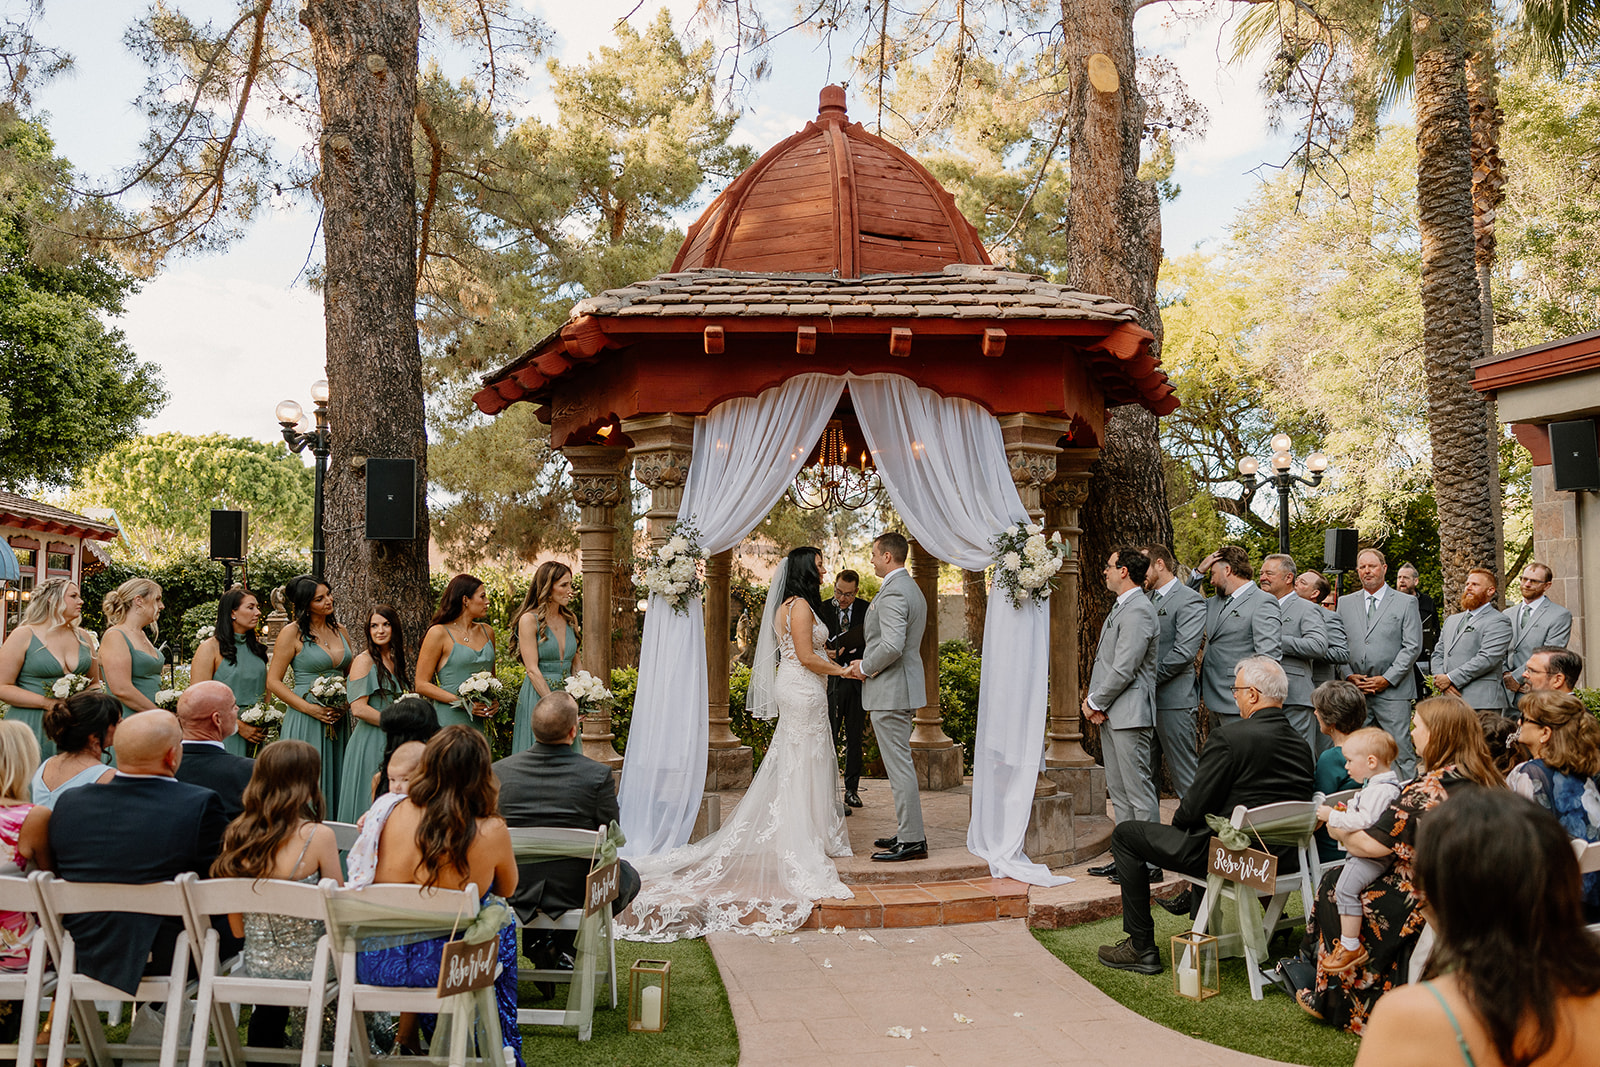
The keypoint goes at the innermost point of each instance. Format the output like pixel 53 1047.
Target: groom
pixel 890 669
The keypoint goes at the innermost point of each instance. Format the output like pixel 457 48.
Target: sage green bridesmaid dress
pixel 365 751
pixel 553 669
pixel 310 663
pixel 247 677
pixel 461 664
pixel 41 670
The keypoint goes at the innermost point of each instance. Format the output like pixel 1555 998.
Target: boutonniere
pixel 1468 630
pixel 1163 611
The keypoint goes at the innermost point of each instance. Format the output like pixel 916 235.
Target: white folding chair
pixel 1273 920
pixel 1588 863
pixel 356 998
pixel 1320 866
pixel 219 990
pixel 75 991
pixel 33 985
pixel 344 834
pixel 583 843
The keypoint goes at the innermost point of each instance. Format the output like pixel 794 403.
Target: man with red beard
pixel 1471 652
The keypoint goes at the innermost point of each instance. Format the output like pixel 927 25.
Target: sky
pixel 235 332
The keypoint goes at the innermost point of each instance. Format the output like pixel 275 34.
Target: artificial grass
pixel 699 1033
pixel 1273 1027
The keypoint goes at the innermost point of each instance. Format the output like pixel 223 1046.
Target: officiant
pixel 843 615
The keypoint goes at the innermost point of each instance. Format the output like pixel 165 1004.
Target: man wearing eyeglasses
pixel 1537 622
pixel 1552 667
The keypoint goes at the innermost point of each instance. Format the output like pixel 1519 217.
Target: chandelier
pixel 832 482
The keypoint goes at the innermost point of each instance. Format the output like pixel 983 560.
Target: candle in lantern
pixel 1189 982
pixel 650 1007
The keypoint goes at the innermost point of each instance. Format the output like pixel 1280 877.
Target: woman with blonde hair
pixel 24 834
pixel 48 645
pixel 1563 743
pixel 545 633
pixel 128 659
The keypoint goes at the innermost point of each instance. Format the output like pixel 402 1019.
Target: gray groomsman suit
pixel 1388 644
pixel 1548 624
pixel 1123 685
pixel 1237 627
pixel 1328 668
pixel 1304 638
pixel 894 687
pixel 1180 624
pixel 1472 652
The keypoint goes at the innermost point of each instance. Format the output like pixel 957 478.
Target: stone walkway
pixel 817 997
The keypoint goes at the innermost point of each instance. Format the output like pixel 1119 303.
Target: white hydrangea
pixel 1011 561
pixel 676 546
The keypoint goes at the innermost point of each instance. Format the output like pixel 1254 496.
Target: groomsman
pixel 1304 640
pixel 1241 621
pixel 843 616
pixel 1312 587
pixel 1553 668
pixel 1472 646
pixel 1384 630
pixel 1180 624
pixel 1122 689
pixel 1535 623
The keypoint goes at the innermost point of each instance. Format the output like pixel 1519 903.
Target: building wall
pixel 1566 536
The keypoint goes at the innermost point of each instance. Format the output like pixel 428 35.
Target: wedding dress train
pixel 760 873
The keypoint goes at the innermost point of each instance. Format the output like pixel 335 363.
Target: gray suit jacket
pixel 1180 624
pixel 1389 645
pixel 1304 638
pixel 1123 682
pixel 1328 668
pixel 1473 654
pixel 1551 624
pixel 1237 627
pixel 892 661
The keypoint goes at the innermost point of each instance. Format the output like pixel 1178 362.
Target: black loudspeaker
pixel 1574 456
pixel 1339 550
pixel 229 534
pixel 391 499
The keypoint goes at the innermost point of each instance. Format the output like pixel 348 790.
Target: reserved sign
pixel 601 887
pixel 1250 867
pixel 464 967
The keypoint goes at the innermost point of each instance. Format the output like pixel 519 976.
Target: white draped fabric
pixel 943 462
pixel 746 452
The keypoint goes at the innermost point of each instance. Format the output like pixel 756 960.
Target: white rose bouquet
pixel 590 693
pixel 673 570
pixel 480 690
pixel 329 691
pixel 203 634
pixel 1026 562
pixel 69 684
pixel 267 716
pixel 167 698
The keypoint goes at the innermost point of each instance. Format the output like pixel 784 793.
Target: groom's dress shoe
pixel 886 842
pixel 904 850
pixel 1105 870
pixel 852 799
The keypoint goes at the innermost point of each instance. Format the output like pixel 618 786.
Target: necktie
pixel 1371 602
pixel 1527 610
pixel 1156 600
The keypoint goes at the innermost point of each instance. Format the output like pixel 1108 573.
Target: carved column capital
pixel 1032 444
pixel 599 478
pixel 662 447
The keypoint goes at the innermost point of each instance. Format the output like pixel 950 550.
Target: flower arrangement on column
pixel 673 570
pixel 1026 562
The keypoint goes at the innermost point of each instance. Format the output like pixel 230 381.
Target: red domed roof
pixel 832 199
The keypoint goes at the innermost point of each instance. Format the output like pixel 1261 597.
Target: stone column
pixel 1062 498
pixel 730 764
pixel 599 478
pixel 937 758
pixel 662 446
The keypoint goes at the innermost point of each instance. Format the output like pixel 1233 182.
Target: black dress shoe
pixel 848 813
pixel 905 850
pixel 1177 905
pixel 853 799
pixel 886 842
pixel 1124 956
pixel 1105 870
pixel 1156 875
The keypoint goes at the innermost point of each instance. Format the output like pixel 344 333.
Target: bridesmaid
pixel 544 632
pixel 235 656
pixel 130 663
pixel 45 646
pixel 457 645
pixel 377 678
pixel 316 646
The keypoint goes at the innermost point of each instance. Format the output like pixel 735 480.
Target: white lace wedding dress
pixel 760 873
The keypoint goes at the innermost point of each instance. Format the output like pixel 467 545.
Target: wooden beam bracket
pixel 805 341
pixel 714 340
pixel 900 341
pixel 994 342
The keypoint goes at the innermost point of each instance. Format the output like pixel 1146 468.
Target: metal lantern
pixel 647 994
pixel 1194 966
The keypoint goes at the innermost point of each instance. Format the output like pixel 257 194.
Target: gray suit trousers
pixel 1179 741
pixel 1130 772
pixel 893 731
pixel 1393 714
pixel 1304 720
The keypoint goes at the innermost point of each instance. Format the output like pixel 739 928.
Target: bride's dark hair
pixel 804 579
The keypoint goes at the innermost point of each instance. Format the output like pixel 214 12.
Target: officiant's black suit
pixel 218 770
pixel 133 830
pixel 844 694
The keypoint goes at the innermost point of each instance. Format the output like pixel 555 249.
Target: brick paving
pixel 818 997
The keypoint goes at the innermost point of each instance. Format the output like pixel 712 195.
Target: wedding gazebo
pixel 837 258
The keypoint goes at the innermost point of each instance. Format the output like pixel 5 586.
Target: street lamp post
pixel 1282 480
pixel 317 437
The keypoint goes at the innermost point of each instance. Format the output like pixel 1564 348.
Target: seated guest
pixel 279 834
pixel 24 834
pixel 447 833
pixel 1341 710
pixel 552 785
pixel 406 720
pixel 1514 978
pixel 1500 734
pixel 1456 760
pixel 1563 743
pixel 81 727
pixel 209 717
pixel 1259 758
pixel 1552 667
pixel 143 826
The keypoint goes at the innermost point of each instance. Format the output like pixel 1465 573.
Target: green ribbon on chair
pixel 527 847
pixel 1247 914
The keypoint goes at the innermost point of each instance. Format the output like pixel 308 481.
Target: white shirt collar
pixel 1122 598
pixel 1241 591
pixel 1284 599
pixel 202 741
pixel 163 777
pixel 1378 596
pixel 1532 605
pixel 1171 584
pixel 891 574
pixel 1475 612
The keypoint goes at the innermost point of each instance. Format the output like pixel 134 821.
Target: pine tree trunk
pixel 1113 247
pixel 1488 191
pixel 975 597
pixel 1464 475
pixel 365 52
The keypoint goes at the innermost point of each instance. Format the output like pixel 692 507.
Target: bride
pixel 760 873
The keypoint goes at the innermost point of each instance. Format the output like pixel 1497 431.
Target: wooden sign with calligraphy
pixel 464 967
pixel 601 887
pixel 1249 866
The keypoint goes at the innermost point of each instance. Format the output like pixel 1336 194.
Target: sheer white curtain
pixel 944 464
pixel 746 452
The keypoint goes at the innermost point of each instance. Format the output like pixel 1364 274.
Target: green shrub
pixel 960 668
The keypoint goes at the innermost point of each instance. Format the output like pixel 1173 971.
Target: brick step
pixel 875 907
